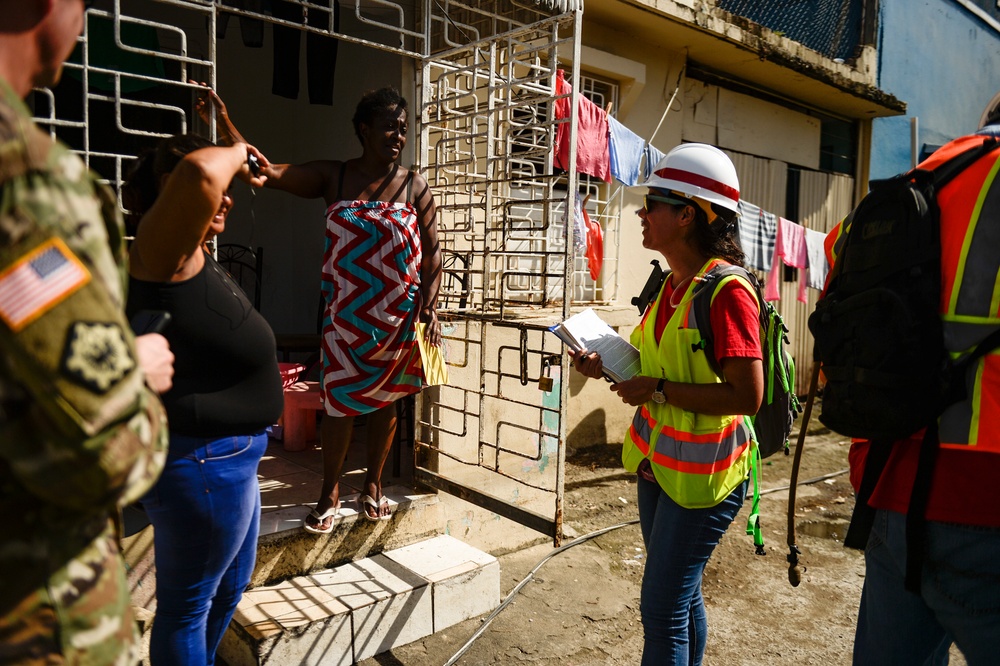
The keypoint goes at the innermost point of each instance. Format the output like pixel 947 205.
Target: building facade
pixel 943 58
pixel 791 96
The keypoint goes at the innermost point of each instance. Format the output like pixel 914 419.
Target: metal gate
pixel 485 73
pixel 495 435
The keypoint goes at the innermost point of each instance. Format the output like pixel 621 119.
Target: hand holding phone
pixel 149 321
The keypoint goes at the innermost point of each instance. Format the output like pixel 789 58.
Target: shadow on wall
pixel 590 431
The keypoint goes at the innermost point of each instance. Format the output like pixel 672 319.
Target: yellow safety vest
pixel 698 459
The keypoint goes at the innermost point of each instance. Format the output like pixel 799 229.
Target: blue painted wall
pixel 944 62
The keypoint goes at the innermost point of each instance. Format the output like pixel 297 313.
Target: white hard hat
pixel 698 171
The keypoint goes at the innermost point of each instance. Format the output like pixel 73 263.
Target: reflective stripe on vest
pixel 970 298
pixel 698 459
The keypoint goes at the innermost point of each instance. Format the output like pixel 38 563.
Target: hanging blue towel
pixel 653 157
pixel 626 153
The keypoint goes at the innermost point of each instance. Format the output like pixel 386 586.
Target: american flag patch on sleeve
pixel 38 281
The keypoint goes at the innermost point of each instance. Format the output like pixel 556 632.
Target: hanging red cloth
pixel 592 152
pixel 595 246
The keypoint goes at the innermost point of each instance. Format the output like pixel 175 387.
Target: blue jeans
pixel 678 542
pixel 959 596
pixel 205 511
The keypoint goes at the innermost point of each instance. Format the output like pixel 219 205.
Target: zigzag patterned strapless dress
pixel 371 285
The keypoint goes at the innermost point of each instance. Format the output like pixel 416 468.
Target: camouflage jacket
pixel 80 433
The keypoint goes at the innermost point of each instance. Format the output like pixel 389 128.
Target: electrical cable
pixel 805 483
pixel 576 542
pixel 527 579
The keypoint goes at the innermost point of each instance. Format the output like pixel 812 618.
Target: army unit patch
pixel 38 281
pixel 97 355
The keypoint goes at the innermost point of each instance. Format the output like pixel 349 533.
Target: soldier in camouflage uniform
pixel 81 432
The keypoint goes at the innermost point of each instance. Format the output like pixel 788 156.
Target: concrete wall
pixel 662 66
pixel 944 62
pixel 700 112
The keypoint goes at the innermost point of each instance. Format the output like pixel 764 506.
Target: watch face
pixel 659 397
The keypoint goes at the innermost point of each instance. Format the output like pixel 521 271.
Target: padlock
pixel 545 382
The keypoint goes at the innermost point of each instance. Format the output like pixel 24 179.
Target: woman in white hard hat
pixel 689 441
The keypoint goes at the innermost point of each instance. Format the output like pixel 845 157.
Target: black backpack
pixel 773 422
pixel 879 336
pixel 877 329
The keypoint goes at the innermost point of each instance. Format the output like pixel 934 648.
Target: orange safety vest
pixel 970 292
pixel 970 289
pixel 698 459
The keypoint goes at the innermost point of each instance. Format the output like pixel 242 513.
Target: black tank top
pixel 226 379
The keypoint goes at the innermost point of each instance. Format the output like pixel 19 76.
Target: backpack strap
pixel 702 304
pixel 956 389
pixel 753 520
pixel 916 523
pixel 944 173
pixel 863 516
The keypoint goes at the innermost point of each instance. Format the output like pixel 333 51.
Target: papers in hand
pixel 432 359
pixel 586 330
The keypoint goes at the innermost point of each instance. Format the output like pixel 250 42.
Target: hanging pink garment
pixel 790 250
pixel 592 145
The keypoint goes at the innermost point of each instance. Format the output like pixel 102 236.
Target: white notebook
pixel 586 330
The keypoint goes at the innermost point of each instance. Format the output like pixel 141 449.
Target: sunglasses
pixel 669 200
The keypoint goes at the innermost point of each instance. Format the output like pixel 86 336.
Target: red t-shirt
pixel 963 482
pixel 962 488
pixel 734 318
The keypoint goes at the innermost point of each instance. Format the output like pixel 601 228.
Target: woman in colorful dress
pixel 381 274
pixel 690 442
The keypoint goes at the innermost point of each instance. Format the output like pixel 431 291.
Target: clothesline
pixel 606 149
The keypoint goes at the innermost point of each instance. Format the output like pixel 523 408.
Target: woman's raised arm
pixel 170 235
pixel 308 180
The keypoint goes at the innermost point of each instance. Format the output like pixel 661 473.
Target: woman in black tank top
pixel 205 508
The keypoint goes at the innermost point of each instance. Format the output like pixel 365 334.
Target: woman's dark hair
pixel 718 239
pixel 142 185
pixel 375 102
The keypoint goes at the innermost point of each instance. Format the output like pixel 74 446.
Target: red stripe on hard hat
pixel 699 181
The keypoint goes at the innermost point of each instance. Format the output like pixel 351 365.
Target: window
pixel 532 256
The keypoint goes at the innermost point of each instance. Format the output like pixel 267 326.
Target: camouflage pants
pixel 80 615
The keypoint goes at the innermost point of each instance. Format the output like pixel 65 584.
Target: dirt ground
pixel 582 606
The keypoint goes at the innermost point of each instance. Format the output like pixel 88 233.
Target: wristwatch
pixel 659 397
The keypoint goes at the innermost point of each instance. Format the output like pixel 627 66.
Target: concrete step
pixel 362 608
pixel 285 550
